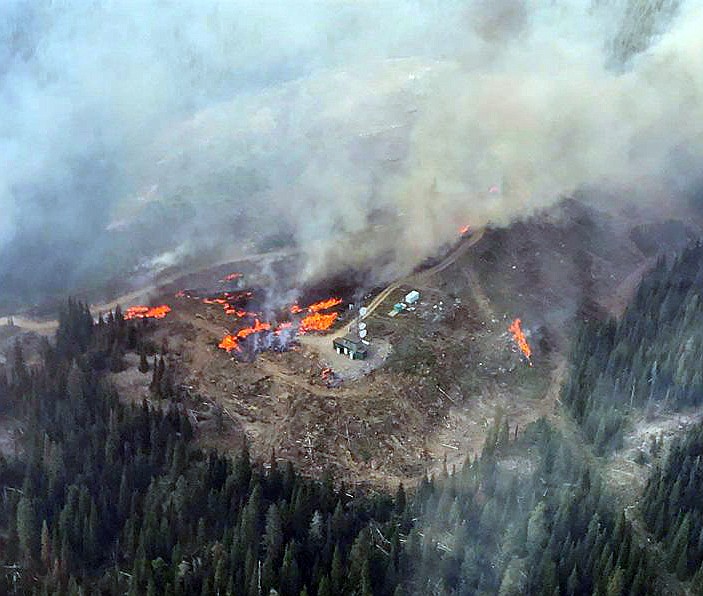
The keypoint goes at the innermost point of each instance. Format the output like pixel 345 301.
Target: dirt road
pixel 415 278
pixel 321 343
pixel 48 326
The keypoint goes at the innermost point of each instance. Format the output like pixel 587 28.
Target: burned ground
pixel 438 373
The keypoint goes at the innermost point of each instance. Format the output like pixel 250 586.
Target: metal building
pixel 350 346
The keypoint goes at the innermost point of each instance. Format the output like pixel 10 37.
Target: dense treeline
pixel 650 356
pixel 532 521
pixel 673 508
pixel 112 498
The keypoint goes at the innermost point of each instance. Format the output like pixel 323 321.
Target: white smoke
pixel 359 131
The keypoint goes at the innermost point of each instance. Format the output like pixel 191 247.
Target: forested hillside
pixel 649 358
pixel 673 508
pixel 107 496
pixel 113 498
pixel 528 517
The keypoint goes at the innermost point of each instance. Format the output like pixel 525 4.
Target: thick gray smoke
pixel 135 136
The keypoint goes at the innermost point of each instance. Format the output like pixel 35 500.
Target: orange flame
pixel 231 342
pixel 464 230
pixel 520 339
pixel 187 294
pixel 231 277
pixel 238 312
pixel 282 327
pixel 317 322
pixel 147 312
pixel 313 321
pixel 257 327
pixel 324 304
pixel 228 308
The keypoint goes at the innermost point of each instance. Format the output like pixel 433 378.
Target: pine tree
pixel 27 528
pixel 572 583
pixel 365 587
pixel 324 588
pixel 290 573
pixel 615 583
pixel 143 362
pixel 45 545
pixel 20 372
pixel 116 358
pixel 678 554
pixel 400 500
pixel 337 572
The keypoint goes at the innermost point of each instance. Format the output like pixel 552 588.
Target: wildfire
pixel 520 339
pixel 317 321
pixel 231 277
pixel 231 342
pixel 464 230
pixel 330 378
pixel 226 302
pixel 257 327
pixel 324 304
pixel 238 312
pixel 282 327
pixel 314 319
pixel 147 312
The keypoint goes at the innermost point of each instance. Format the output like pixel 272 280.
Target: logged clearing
pixel 437 373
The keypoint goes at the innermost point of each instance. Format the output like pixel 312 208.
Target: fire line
pixel 520 339
pixel 147 312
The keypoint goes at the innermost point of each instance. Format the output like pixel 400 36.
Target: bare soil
pixel 438 373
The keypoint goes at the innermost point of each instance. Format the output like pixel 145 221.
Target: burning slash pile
pixel 231 277
pixel 258 331
pixel 269 336
pixel 330 378
pixel 316 320
pixel 520 339
pixel 147 312
pixel 229 303
pixel 262 332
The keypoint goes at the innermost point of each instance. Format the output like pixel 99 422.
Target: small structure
pixel 398 307
pixel 350 346
pixel 412 297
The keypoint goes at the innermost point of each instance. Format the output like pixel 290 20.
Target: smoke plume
pixel 138 136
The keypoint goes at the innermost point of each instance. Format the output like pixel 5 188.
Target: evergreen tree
pixel 143 362
pixel 27 528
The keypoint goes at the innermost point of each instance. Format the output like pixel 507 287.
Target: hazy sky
pixel 141 132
